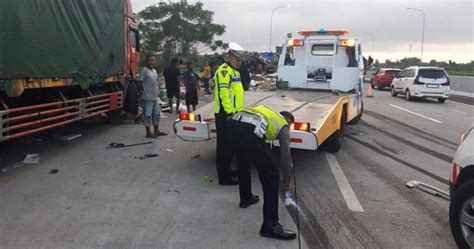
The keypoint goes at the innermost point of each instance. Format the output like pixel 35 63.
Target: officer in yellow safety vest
pixel 250 128
pixel 228 99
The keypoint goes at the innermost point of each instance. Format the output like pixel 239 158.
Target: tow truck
pixel 319 76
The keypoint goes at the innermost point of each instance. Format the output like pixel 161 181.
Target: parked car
pixel 461 209
pixel 383 77
pixel 422 82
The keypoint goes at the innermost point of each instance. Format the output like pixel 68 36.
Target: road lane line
pixel 346 190
pixel 417 114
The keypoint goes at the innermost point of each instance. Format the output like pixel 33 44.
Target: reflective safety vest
pixel 274 119
pixel 228 90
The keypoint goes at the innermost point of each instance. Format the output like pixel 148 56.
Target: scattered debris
pixel 208 179
pixel 54 171
pixel 196 156
pixel 429 189
pixel 169 150
pixel 121 145
pixel 67 138
pixel 31 159
pixel 146 156
pixel 175 190
pixel 84 184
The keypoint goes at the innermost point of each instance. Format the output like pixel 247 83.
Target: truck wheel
pixel 334 142
pixel 441 100
pixel 461 214
pixel 358 117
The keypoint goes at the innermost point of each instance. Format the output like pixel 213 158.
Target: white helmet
pixel 236 49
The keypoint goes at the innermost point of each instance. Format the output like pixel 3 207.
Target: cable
pixel 296 201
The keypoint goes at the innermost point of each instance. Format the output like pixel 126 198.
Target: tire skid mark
pixel 413 130
pixel 403 162
pixel 420 201
pixel 436 154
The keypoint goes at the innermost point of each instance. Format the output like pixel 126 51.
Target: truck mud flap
pixel 194 131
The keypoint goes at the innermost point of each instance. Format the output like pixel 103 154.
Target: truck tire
pixel 463 194
pixel 393 92
pixel 358 117
pixel 334 142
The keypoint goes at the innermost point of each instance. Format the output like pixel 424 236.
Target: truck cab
pixel 322 59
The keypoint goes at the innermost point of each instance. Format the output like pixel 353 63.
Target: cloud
pixel 449 26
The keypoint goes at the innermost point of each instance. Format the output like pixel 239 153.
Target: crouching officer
pixel 250 128
pixel 228 99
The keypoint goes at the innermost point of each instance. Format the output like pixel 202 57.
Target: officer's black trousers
pixel 224 152
pixel 250 149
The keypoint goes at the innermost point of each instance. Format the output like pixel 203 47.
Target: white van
pixel 422 82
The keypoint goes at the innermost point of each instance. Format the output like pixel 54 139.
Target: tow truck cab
pixel 323 59
pixel 323 75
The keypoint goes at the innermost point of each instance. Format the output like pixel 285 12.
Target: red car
pixel 383 77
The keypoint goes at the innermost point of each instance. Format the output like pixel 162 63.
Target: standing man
pixel 228 99
pixel 244 76
pixel 250 128
pixel 206 77
pixel 190 79
pixel 171 75
pixel 150 94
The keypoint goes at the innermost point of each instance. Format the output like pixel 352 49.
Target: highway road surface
pixel 355 198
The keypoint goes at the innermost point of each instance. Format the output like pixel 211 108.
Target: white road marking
pixel 417 114
pixel 346 190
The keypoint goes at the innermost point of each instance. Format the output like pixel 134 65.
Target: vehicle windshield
pixel 432 73
pixel 392 72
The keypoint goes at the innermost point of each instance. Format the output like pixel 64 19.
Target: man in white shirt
pixel 149 97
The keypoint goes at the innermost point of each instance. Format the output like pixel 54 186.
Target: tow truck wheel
pixel 461 214
pixel 334 142
pixel 441 100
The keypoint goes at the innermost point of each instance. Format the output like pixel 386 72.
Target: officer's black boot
pixel 274 230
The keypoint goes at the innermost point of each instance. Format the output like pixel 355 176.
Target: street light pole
pixel 271 22
pixel 423 31
pixel 373 40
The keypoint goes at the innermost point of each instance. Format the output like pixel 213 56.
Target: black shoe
pixel 253 200
pixel 276 231
pixel 230 181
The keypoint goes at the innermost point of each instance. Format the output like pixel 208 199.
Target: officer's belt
pixel 257 121
pixel 247 118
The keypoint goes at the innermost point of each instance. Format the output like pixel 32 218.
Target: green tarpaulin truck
pixel 62 61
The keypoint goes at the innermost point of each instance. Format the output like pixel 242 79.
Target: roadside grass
pixel 461 72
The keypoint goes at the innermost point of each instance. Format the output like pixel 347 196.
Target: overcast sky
pixel 449 31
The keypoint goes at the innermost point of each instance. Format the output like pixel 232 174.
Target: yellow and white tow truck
pixel 321 72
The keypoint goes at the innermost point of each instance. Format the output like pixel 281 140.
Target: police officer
pixel 250 128
pixel 228 99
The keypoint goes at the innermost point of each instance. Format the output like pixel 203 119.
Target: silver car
pixel 461 209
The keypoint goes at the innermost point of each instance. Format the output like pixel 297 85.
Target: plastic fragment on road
pixel 54 171
pixel 146 156
pixel 208 179
pixel 31 159
pixel 169 150
pixel 196 156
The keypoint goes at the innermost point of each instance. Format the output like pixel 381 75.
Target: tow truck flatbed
pixel 321 109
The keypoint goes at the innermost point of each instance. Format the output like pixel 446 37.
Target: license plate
pixel 432 85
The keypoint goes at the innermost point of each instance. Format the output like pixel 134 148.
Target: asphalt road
pixel 355 198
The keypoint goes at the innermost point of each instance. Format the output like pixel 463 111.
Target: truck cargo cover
pixel 61 38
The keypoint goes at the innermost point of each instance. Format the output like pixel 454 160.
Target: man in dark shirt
pixel 172 75
pixel 190 79
pixel 244 76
